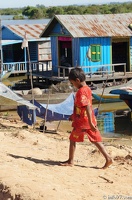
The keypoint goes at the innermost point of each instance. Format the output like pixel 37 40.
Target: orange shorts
pixel 77 135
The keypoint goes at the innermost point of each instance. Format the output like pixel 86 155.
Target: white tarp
pixel 8 97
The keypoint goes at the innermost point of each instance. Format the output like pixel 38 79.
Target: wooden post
pixel 124 69
pixel 46 111
pixel 102 92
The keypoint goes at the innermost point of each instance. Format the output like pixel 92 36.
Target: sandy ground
pixel 30 170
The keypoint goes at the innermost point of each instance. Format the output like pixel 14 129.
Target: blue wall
pixel 7 34
pixel 54 54
pixel 105 43
pixel 59 29
pixel 80 48
pixel 75 52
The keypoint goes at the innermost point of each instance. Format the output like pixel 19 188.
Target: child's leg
pixel 102 149
pixel 70 161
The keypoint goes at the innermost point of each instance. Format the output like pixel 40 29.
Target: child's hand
pixel 71 118
pixel 93 127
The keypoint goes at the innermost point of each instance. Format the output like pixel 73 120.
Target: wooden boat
pixel 106 98
pixel 125 94
pixel 44 98
pixel 122 90
pixel 127 98
pixel 5 75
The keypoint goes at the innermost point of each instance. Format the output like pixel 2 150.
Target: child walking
pixel 83 119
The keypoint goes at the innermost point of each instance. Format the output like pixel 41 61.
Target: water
pixel 106 123
pixel 107 113
pixel 6 17
pixel 8 20
pixel 106 110
pixel 113 124
pixel 12 80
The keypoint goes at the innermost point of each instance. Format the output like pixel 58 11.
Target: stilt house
pixel 16 57
pixel 94 42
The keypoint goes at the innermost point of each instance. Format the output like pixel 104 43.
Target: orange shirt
pixel 82 99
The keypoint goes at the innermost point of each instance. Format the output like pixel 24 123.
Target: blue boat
pixel 106 98
pixel 125 95
pixel 121 91
pixel 127 98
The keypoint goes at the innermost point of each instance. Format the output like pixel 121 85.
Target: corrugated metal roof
pixel 109 25
pixel 32 30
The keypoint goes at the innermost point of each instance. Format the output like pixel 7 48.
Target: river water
pixel 114 122
pixel 108 122
pixel 110 115
pixel 107 116
pixel 8 20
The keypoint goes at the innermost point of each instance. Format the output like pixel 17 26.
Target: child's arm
pixel 89 114
pixel 72 115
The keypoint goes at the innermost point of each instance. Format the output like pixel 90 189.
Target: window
pixel 95 53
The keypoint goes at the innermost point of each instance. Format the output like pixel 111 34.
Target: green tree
pixel 54 10
pixel 116 9
pixel 40 11
pixel 128 7
pixel 16 17
pixel 36 13
pixel 27 11
pixel 10 11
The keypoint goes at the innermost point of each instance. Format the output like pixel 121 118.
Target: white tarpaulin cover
pixel 8 97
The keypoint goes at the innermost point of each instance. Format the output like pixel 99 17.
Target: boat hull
pixel 107 98
pixel 127 98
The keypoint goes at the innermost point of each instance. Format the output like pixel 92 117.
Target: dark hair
pixel 77 73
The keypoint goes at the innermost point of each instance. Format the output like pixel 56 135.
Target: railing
pixel 42 66
pixel 25 66
pixel 62 70
pixel 93 70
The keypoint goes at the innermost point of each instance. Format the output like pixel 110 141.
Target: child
pixel 84 121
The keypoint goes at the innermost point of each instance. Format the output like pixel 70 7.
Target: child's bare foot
pixel 107 164
pixel 66 163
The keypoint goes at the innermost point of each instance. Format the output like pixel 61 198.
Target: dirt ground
pixel 30 170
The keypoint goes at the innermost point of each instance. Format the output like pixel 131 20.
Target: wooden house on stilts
pixel 15 59
pixel 100 44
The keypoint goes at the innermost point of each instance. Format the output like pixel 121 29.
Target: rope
pixel 102 92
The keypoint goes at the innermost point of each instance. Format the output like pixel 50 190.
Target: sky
pixel 47 3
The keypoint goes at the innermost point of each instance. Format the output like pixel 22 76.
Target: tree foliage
pixel 18 17
pixel 40 11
